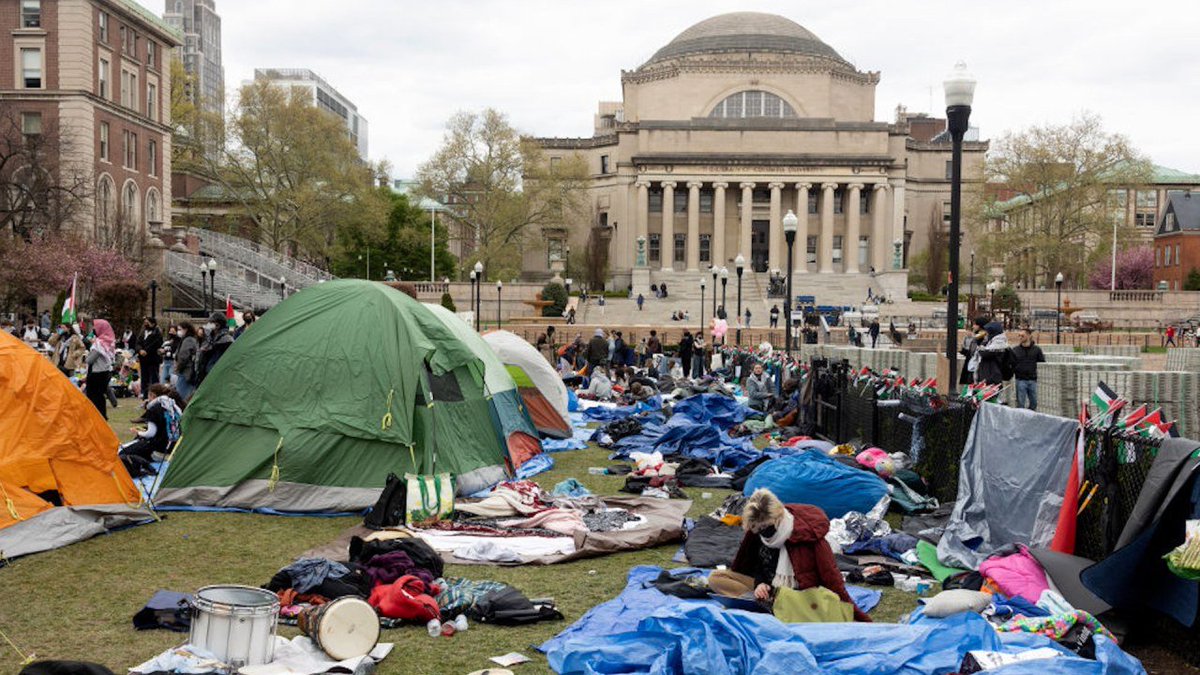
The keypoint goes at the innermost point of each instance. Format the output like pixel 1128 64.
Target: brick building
pixel 98 73
pixel 1177 241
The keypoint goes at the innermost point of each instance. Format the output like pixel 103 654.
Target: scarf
pixel 784 575
pixel 106 340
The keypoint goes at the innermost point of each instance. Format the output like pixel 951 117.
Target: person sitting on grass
pixel 599 386
pixel 164 408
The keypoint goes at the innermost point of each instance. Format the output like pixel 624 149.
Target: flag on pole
pixel 1103 398
pixel 70 310
pixel 229 320
pixel 1064 533
pixel 1133 419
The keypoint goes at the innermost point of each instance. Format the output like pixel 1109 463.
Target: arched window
pixel 752 103
pixel 129 205
pixel 153 213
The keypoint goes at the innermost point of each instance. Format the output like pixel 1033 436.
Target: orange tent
pixel 60 478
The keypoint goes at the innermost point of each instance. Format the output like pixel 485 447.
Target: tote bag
pixel 429 497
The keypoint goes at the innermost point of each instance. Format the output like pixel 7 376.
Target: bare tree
pixel 596 257
pixel 937 261
pixel 41 191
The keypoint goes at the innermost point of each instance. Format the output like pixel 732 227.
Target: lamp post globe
pixel 212 282
pixel 790 222
pixel 960 93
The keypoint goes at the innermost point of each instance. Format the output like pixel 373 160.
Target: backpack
pixel 389 509
pixel 1008 365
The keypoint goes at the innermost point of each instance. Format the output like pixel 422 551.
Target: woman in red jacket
pixel 772 529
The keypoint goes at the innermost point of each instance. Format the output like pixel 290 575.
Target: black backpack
pixel 389 510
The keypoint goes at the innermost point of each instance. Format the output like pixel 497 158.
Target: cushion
pixel 954 601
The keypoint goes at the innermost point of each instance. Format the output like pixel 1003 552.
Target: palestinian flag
pixel 930 386
pixel 1103 398
pixel 70 309
pixel 229 320
pixel 1064 533
pixel 1154 426
pixel 1133 419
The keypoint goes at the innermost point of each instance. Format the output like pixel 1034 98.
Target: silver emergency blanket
pixel 1011 482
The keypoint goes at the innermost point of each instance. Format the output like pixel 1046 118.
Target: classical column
pixel 693 233
pixel 881 248
pixel 745 231
pixel 718 238
pixel 642 221
pixel 667 246
pixel 825 246
pixel 853 218
pixel 775 238
pixel 800 258
pixel 897 229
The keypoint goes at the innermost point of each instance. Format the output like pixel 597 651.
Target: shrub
pixel 557 295
pixel 448 302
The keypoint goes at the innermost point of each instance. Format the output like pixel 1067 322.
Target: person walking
pixel 1171 336
pixel 1026 355
pixel 873 330
pixel 774 316
pixel 99 362
pixel 687 346
pixel 641 300
pixel 186 352
pixel 148 344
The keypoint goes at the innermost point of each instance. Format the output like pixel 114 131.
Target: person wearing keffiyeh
pixel 100 365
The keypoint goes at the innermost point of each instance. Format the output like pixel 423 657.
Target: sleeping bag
pixel 814 478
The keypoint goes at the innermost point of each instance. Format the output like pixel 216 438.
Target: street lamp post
pixel 478 291
pixel 960 92
pixel 790 221
pixel 471 275
pixel 360 258
pixel 715 272
pixel 153 297
pixel 567 283
pixel 499 305
pixel 971 300
pixel 212 283
pixel 702 311
pixel 724 297
pixel 1058 281
pixel 739 264
pixel 204 286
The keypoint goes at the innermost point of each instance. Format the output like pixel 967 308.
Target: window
pixel 656 199
pixel 864 247
pixel 129 203
pixel 706 201
pixel 1147 199
pixel 1158 257
pixel 812 202
pixel 680 248
pixel 31 123
pixel 1143 219
pixel 946 216
pixel 129 148
pixel 837 248
pixel 1167 257
pixel 949 170
pixel 1176 245
pixel 603 163
pixel 152 101
pixel 105 69
pixel 31 67
pixel 133 91
pixel 555 248
pixel 104 141
pixel 124 39
pixel 681 200
pixel 152 158
pixel 151 53
pixel 125 89
pixel 839 199
pixel 811 249
pixel 706 248
pixel 104 27
pixel 152 210
pixel 1170 222
pixel 554 161
pixel 603 219
pixel 864 202
pixel 655 246
pixel 761 196
pixel 31 13
pixel 752 104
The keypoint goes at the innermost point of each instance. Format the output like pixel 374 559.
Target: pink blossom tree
pixel 1135 270
pixel 47 266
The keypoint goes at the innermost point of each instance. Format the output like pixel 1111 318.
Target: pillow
pixel 954 601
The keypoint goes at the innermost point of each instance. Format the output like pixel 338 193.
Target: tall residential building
pixel 91 79
pixel 324 96
pixel 201 51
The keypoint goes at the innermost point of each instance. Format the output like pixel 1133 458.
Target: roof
pixel 156 22
pixel 408 188
pixel 746 32
pixel 1158 175
pixel 1186 208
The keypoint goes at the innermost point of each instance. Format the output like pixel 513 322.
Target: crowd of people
pixel 990 359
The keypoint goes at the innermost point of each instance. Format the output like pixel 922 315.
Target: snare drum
pixel 235 623
pixel 345 628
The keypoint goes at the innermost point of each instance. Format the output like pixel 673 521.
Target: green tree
pixel 1192 283
pixel 294 172
pixel 448 302
pixel 502 192
pixel 1061 218
pixel 1006 298
pixel 401 244
pixel 555 293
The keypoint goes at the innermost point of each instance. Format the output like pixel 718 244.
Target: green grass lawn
pixel 77 602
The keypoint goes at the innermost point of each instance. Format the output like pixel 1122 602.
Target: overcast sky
pixel 409 64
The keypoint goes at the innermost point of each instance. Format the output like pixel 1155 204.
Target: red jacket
pixel 812 559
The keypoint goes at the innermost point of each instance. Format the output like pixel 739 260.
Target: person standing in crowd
pixel 127 338
pixel 653 345
pixel 698 357
pixel 971 345
pixel 46 321
pixel 687 346
pixel 747 317
pixel 619 347
pixel 1026 355
pixel 69 349
pixel 149 360
pixel 31 336
pixel 774 316
pixel 248 318
pixel 873 330
pixel 597 349
pixel 641 353
pixel 550 336
pixel 187 349
pixel 100 365
pixel 167 351
pixel 1171 336
pixel 760 389
pixel 992 354
pixel 216 341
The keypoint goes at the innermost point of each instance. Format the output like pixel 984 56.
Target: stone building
pixel 739 119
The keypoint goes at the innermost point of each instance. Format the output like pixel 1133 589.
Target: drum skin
pixel 344 628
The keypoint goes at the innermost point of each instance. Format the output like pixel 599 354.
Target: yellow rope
pixel 386 422
pixel 412 452
pixel 274 479
pixel 12 506
pixel 141 502
pixel 26 659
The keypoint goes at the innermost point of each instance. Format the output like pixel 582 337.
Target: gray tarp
pixel 1010 484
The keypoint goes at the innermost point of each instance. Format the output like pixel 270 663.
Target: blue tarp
pixel 535 465
pixel 817 479
pixel 715 409
pixel 599 413
pixel 556 445
pixel 697 638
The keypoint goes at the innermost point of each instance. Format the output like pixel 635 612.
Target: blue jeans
pixel 1027 394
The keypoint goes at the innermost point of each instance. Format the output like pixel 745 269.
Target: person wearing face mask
pixel 216 341
pixel 167 351
pixel 148 342
pixel 184 376
pixel 784 547
pixel 69 349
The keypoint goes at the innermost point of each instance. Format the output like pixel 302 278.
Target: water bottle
pixel 460 623
pixel 434 628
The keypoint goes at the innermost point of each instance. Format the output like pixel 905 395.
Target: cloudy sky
pixel 410 64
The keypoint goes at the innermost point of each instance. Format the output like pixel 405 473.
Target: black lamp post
pixel 702 311
pixel 790 221
pixel 715 271
pixel 739 264
pixel 724 297
pixel 204 286
pixel 153 297
pixel 471 276
pixel 478 292
pixel 212 283
pixel 1058 279
pixel 567 284
pixel 971 295
pixel 499 305
pixel 960 92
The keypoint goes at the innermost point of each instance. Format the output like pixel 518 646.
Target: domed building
pixel 737 120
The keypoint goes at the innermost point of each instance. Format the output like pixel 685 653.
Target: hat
pixel 599 332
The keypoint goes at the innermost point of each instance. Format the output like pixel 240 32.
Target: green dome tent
pixel 327 393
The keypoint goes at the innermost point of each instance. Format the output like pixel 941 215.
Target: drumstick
pixel 1083 488
pixel 1088 500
